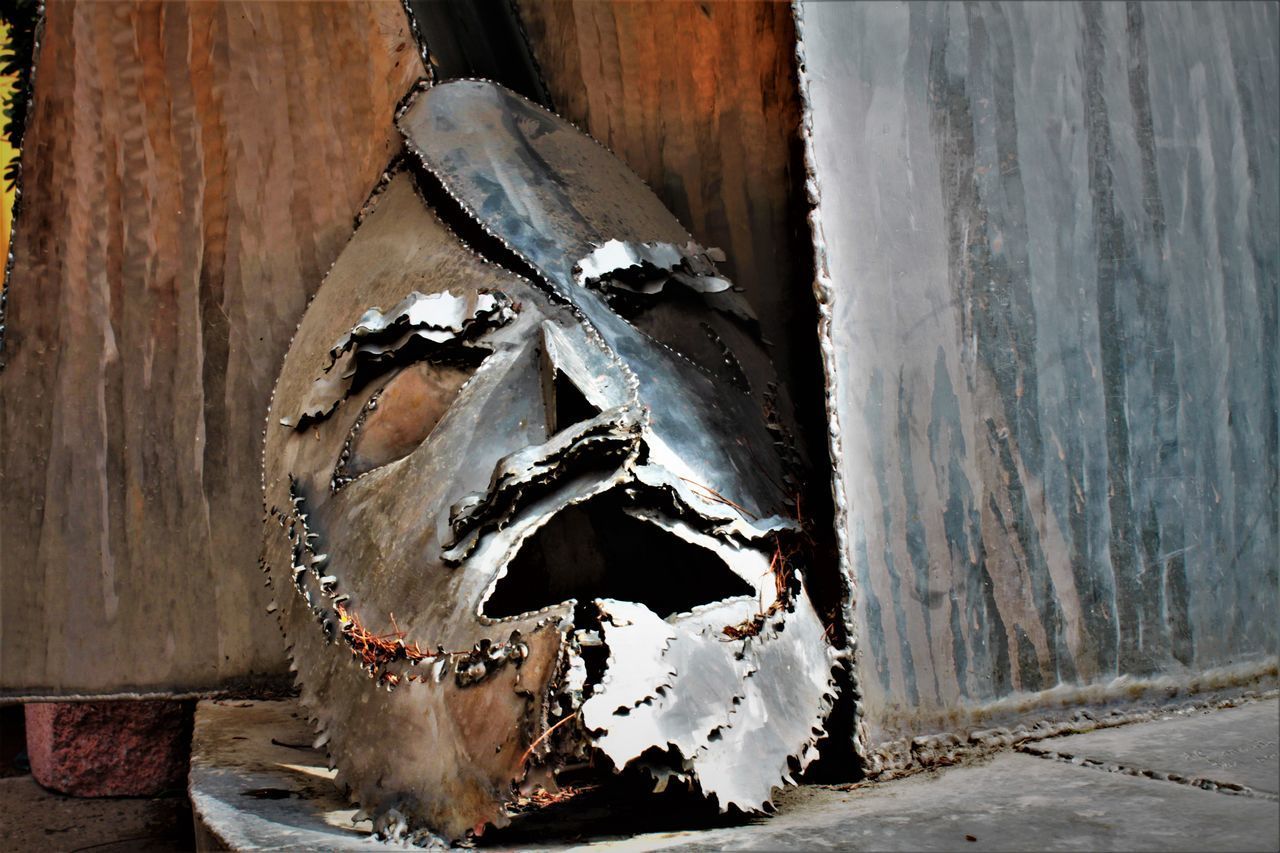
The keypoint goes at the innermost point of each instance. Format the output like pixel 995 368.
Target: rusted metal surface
pixel 592 557
pixel 1048 268
pixel 190 171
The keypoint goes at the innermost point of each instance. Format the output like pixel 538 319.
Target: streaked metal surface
pixel 1047 240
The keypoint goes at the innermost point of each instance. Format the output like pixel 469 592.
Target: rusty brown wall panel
pixel 1049 245
pixel 190 173
pixel 700 100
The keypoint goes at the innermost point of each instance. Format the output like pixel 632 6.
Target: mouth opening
pixel 596 550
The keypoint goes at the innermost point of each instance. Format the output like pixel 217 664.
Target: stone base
pixel 110 749
pixel 256 784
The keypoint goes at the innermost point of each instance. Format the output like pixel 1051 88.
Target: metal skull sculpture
pixel 528 500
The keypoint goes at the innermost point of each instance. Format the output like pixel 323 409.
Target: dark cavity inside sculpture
pixel 531 504
pixel 595 550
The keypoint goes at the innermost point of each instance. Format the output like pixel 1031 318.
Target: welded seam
pixel 340 477
pixel 543 89
pixel 378 653
pixel 824 298
pixel 1231 788
pixel 424 50
pixel 394 168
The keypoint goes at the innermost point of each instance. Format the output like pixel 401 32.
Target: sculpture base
pixel 257 783
pixel 1193 779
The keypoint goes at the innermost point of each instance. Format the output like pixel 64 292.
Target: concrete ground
pixel 1200 781
pixel 34 819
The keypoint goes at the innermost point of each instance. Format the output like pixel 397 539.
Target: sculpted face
pixel 531 501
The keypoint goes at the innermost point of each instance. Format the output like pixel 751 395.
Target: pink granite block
pixel 110 749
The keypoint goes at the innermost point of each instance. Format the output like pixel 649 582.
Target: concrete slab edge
pixel 1080 710
pixel 263 687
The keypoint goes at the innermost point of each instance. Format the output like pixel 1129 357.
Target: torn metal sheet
pixel 647 267
pixel 435 322
pixel 582 553
pixel 438 318
pixel 610 439
pixel 637 640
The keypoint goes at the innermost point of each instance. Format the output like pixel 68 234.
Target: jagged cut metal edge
pixel 619 426
pixel 699 263
pixel 784 777
pixel 824 293
pixel 364 338
pixel 805 753
pixel 595 266
pixel 802 754
pixel 424 49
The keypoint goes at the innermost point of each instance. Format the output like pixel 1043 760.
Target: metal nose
pixel 602 443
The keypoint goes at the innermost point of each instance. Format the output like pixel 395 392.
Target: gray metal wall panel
pixel 1050 234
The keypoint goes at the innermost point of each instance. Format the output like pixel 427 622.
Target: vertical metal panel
pixel 191 170
pixel 1050 235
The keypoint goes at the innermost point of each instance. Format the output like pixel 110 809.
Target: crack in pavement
pixel 1231 788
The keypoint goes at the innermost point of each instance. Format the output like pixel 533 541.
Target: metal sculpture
pixel 530 501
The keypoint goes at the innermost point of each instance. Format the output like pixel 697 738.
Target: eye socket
pixel 400 416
